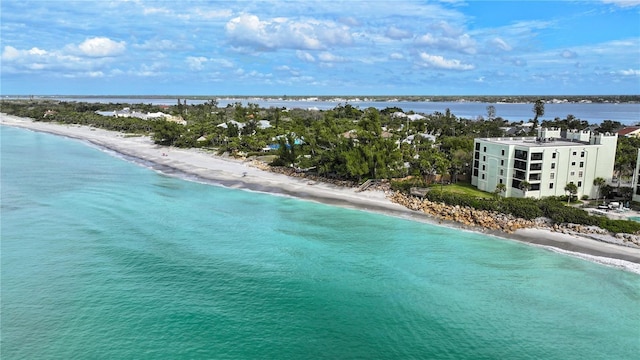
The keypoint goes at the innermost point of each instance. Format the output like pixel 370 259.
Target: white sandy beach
pixel 239 174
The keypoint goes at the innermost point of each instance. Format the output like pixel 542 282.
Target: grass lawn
pixel 462 188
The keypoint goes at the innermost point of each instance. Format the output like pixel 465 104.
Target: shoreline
pixel 202 166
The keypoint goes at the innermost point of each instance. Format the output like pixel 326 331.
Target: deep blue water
pixel 103 258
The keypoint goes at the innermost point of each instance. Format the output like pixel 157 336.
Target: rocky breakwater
pixel 464 215
pixel 507 223
pixel 596 233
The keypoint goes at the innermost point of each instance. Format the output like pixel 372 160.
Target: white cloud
pixel 249 31
pixel 623 3
pixel 156 10
pixel 101 47
pixel 329 57
pixel 305 56
pixel 213 14
pixel 397 34
pixel 439 62
pixel 159 45
pixel 396 56
pixel 568 54
pixel 500 44
pixel 148 70
pixel 10 53
pixel 196 63
pixel 38 60
pixel 461 43
pixel 38 52
pixel 630 72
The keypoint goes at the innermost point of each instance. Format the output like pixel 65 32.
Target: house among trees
pixel 630 131
pixel 544 165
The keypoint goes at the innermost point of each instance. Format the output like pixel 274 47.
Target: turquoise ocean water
pixel 104 259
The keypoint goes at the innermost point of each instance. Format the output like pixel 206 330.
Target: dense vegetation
pixel 346 142
pixel 551 208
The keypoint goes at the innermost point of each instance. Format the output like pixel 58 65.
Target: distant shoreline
pixel 526 99
pixel 202 166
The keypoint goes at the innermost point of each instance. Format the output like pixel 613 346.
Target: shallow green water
pixel 102 258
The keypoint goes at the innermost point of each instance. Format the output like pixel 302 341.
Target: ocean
pixel 104 258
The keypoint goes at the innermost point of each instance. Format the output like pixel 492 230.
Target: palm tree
pixel 500 189
pixel 598 182
pixel 572 189
pixel 538 110
pixel 525 186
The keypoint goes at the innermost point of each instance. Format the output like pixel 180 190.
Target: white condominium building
pixel 548 162
pixel 636 180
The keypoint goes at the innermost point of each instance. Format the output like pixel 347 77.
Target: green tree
pixel 287 149
pixel 500 189
pixel 441 165
pixel 356 163
pixel 524 186
pixel 491 112
pixel 598 182
pixel 609 126
pixel 166 132
pixel 571 189
pixel 538 110
pixel 626 155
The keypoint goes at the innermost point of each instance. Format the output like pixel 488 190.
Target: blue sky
pixel 149 47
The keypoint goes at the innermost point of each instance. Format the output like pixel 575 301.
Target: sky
pixel 299 48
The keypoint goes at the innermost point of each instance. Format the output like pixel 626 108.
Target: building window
pixel 501 162
pixel 484 158
pixel 501 173
pixel 535 167
pixel 484 167
pixel 582 154
pixel 477 146
pixel 553 166
pixel 573 163
pixel 520 154
pixel 579 183
pixel 536 156
pixel 482 176
pixel 502 152
pixel 573 173
pixel 551 186
pixel 475 172
pixel 553 156
pixel 581 164
pixel 535 187
pixel 500 181
pixel 575 153
pixel 484 149
pixel 579 173
pixel 552 176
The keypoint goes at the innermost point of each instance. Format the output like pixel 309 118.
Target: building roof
pixel 629 130
pixel 533 142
